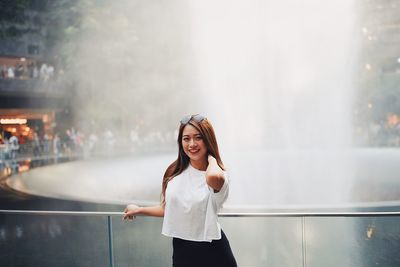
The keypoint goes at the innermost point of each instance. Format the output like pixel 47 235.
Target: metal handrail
pixel 61 212
pixel 223 214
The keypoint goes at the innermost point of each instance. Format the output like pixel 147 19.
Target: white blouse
pixel 191 207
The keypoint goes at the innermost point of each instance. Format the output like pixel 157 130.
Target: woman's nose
pixel 192 143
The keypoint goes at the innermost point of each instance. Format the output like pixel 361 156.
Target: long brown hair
pixel 182 162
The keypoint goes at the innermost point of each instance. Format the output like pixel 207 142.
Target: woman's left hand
pixel 130 211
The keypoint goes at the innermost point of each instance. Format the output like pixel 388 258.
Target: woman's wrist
pixel 140 210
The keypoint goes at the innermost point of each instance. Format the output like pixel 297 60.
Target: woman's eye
pixel 186 139
pixel 198 138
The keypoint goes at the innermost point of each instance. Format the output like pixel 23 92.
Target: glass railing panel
pixel 353 242
pixel 254 241
pixel 140 243
pixel 49 241
pixel 265 241
pixel 82 240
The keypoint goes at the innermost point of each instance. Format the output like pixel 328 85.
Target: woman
pixel 193 190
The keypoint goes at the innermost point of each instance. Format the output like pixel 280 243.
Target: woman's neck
pixel 199 164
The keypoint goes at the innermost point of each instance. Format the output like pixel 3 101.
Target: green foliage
pixel 12 11
pixel 11 15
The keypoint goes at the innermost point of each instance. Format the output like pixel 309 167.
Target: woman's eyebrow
pixel 188 135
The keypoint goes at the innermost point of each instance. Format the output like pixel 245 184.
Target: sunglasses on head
pixel 197 118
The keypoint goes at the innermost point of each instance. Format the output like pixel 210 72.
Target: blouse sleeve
pixel 221 196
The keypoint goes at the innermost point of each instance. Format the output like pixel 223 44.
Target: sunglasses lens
pixel 196 118
pixel 186 119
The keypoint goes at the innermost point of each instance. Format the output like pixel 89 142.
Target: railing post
pixel 304 240
pixel 110 241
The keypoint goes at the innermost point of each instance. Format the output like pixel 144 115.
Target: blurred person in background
pixel 10 73
pixel 3 72
pixel 92 144
pixel 43 74
pixel 108 141
pixel 56 147
pixel 14 146
pixel 36 149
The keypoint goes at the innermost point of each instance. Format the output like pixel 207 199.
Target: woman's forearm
pixel 214 174
pixel 132 210
pixel 157 211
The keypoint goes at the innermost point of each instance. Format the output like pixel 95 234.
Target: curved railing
pixel 297 238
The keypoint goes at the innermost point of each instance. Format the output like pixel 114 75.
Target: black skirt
pixel 217 253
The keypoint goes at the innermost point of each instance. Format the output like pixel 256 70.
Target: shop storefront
pixel 23 124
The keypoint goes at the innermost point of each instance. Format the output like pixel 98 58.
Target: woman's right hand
pixel 130 211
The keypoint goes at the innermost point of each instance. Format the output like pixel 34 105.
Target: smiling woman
pixel 195 186
pixel 194 147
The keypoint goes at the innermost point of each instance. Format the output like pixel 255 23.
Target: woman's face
pixel 193 144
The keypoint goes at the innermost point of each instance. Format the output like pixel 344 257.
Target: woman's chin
pixel 197 158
